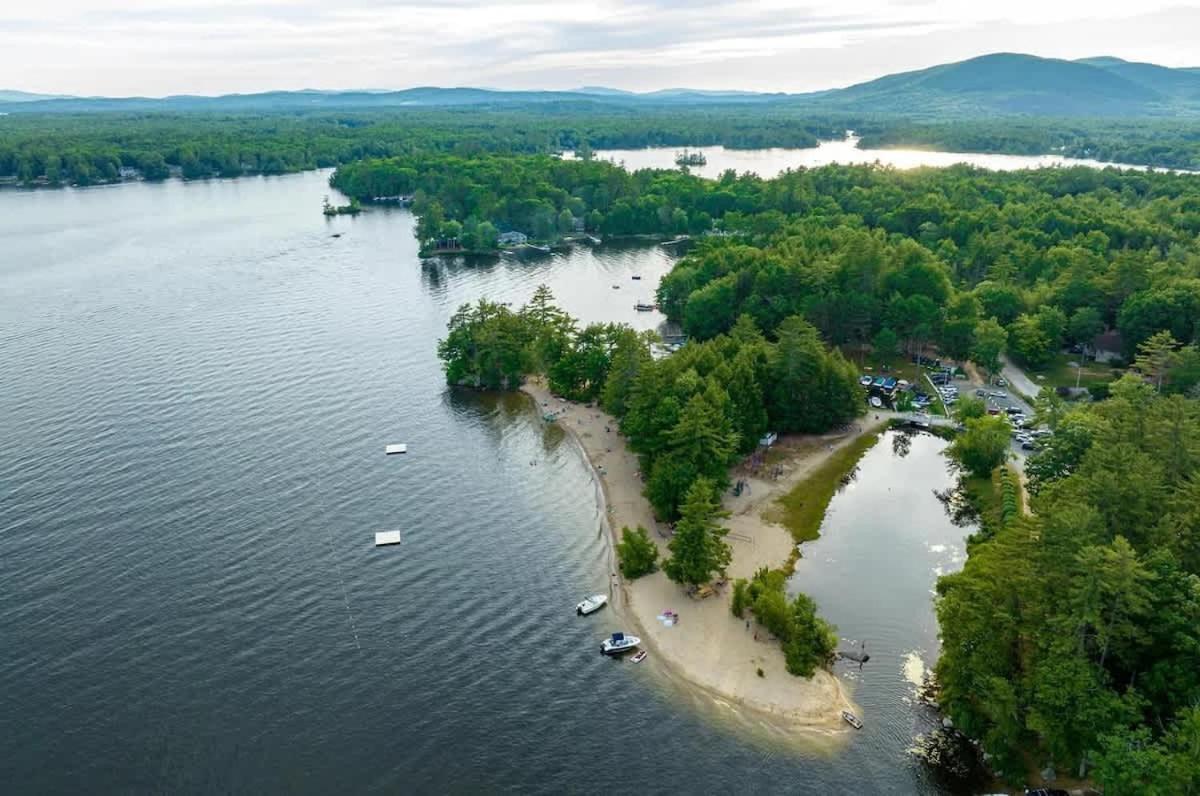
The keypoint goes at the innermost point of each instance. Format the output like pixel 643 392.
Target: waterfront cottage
pixel 512 238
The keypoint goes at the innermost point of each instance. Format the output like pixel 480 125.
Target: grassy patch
pixel 1057 373
pixel 802 510
pixel 898 366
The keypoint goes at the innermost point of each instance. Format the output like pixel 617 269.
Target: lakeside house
pixel 512 238
pixel 1107 347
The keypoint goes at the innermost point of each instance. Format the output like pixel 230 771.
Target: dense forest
pixel 96 147
pixel 83 149
pixel 953 257
pixel 1075 630
pixel 1072 633
pixel 688 416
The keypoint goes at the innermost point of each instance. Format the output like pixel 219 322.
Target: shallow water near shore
pixel 199 384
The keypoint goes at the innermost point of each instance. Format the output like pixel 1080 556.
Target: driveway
pixel 1017 379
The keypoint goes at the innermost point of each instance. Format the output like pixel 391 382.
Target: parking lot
pixel 1000 400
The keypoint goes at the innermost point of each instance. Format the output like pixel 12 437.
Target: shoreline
pixel 709 649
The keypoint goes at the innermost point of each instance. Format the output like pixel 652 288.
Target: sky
pixel 160 47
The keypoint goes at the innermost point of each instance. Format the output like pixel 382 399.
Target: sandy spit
pixel 710 649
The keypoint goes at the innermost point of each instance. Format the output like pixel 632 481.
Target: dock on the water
pixel 385 538
pixel 397 448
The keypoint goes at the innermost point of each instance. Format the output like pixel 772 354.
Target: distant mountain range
pixel 25 96
pixel 1001 83
pixel 1025 84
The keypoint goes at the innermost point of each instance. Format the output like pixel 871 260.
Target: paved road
pixel 1017 378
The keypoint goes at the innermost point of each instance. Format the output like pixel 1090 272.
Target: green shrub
pixel 808 640
pixel 741 597
pixel 637 553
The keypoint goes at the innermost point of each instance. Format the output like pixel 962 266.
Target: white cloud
pixel 177 46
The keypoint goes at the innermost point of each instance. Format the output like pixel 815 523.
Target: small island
pixel 351 209
pixel 686 158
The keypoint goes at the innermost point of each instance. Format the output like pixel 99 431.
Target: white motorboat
pixel 619 643
pixel 592 604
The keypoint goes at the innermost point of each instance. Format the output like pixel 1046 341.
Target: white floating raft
pixel 398 448
pixel 384 538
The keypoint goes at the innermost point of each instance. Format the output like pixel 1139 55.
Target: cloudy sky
pixel 157 47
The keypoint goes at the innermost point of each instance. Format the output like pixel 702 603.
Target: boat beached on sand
pixel 852 720
pixel 592 604
pixel 619 643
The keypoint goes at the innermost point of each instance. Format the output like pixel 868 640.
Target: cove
pixel 885 539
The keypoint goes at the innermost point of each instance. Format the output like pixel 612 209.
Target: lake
pixel 768 163
pixel 199 382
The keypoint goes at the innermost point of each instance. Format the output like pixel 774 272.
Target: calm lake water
pixel 199 381
pixel 885 540
pixel 769 163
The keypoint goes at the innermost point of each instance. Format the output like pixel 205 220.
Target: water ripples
pixel 193 473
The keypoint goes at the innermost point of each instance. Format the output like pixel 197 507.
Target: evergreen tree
pixel 698 547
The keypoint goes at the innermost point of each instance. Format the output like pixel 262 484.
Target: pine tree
pixel 698 548
pixel 1154 357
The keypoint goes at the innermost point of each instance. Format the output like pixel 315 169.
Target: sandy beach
pixel 709 648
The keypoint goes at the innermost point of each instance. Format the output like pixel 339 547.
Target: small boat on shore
pixel 852 720
pixel 637 276
pixel 641 656
pixel 592 604
pixel 876 402
pixel 640 307
pixel 619 644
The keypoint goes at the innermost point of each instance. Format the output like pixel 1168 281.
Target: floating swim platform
pixel 385 538
pixel 397 448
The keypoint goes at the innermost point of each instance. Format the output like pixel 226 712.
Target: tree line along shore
pixel 1069 636
pixel 89 148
